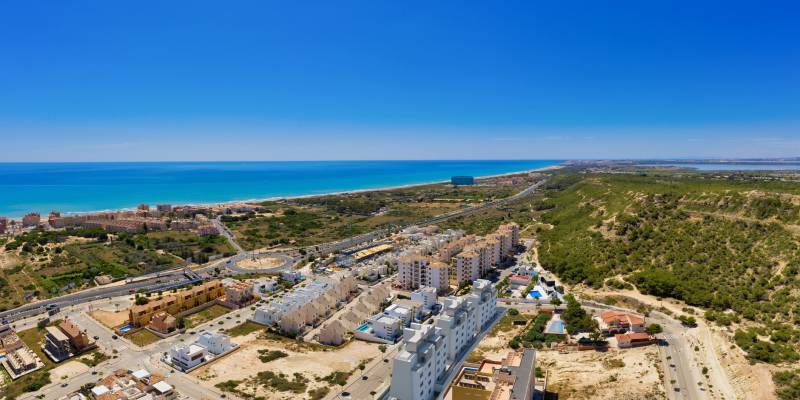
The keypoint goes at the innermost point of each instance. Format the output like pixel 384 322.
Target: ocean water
pixel 84 187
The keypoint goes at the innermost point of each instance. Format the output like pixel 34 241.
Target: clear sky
pixel 263 80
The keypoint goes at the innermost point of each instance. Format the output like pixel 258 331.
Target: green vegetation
pixel 318 393
pixel 653 329
pixel 281 382
pixel 726 244
pixel 205 315
pixel 93 359
pixel 33 338
pixel 535 336
pixel 576 318
pixel 266 355
pixel 51 263
pixel 337 377
pixel 142 337
pixel 787 384
pixel 315 220
pixel 245 328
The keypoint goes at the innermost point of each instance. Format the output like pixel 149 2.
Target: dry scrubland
pixel 293 370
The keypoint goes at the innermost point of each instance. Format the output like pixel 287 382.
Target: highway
pixel 178 275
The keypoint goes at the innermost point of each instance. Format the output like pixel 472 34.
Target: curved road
pixel 180 275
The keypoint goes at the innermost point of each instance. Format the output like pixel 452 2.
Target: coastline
pixel 335 193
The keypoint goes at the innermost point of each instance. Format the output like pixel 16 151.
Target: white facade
pixel 419 364
pixel 215 343
pixel 187 356
pixel 403 313
pixel 264 286
pixel 425 295
pixel 429 350
pixel 387 327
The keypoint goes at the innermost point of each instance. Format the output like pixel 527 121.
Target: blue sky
pixel 263 80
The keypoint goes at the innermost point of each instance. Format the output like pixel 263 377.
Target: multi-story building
pixel 415 271
pixel 56 344
pixel 78 339
pixel 307 305
pixel 164 208
pixel 21 361
pixel 513 378
pixel 419 364
pixel 412 270
pixel 429 350
pixel 239 294
pixel 264 286
pixel 3 225
pixel 140 315
pixel 31 219
pixel 65 340
pixel 466 267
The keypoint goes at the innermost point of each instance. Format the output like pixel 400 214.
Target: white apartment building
pixel 430 350
pixel 306 305
pixel 415 271
pixel 419 364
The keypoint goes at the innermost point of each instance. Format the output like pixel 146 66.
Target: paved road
pixel 676 356
pixel 133 357
pixel 176 276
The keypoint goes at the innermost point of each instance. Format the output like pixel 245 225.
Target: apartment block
pixel 419 364
pixel 140 315
pixel 429 350
pixel 415 271
pixel 238 294
pixel 31 219
pixel 3 225
pixel 65 340
pixel 307 305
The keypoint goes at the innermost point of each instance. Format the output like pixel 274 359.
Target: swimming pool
pixel 363 328
pixel 556 327
pixel 126 328
pixel 535 294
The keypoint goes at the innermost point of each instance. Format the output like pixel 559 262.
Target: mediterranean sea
pixel 85 187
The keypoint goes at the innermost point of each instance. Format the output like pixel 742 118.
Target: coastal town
pixel 417 313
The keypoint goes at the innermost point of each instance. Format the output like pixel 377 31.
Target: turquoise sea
pixel 83 187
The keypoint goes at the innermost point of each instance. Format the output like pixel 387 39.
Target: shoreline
pixel 304 196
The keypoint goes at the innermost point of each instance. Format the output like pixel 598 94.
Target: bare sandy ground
pixel 312 363
pixel 615 374
pixel 730 372
pixel 110 318
pixel 67 370
pixel 7 260
pixel 260 263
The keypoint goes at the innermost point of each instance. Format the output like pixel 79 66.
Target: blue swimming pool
pixel 363 328
pixel 535 294
pixel 557 327
pixel 126 328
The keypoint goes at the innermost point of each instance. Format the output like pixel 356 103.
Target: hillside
pixel 726 244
